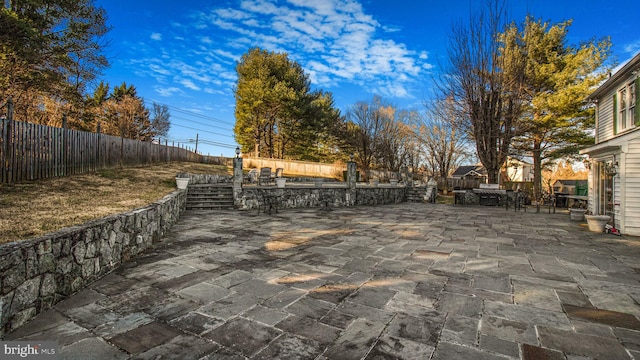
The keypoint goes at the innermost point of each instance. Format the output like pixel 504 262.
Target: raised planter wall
pixel 311 197
pixel 37 273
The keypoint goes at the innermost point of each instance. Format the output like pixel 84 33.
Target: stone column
pixel 351 175
pixel 351 183
pixel 432 190
pixel 237 181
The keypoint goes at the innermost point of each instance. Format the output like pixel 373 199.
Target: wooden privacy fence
pixel 295 166
pixel 31 151
pixel 452 184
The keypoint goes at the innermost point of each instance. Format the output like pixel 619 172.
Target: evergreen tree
pixel 122 113
pixel 277 114
pixel 558 79
pixel 50 50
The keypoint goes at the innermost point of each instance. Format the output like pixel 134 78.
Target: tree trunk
pixel 493 176
pixel 256 146
pixel 537 170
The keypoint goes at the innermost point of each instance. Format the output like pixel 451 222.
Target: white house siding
pixel 605 118
pixel 591 191
pixel 630 196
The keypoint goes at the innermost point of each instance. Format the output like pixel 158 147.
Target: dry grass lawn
pixel 36 208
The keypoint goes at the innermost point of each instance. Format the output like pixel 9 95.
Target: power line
pixel 198 122
pixel 187 112
pixel 192 121
pixel 201 141
pixel 215 143
pixel 196 129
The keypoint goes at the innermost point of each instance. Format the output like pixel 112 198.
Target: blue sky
pixel 183 53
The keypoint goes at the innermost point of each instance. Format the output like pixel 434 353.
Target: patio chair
pixel 265 176
pixel 252 176
pixel 279 172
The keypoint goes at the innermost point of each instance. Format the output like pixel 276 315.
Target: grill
pixel 490 197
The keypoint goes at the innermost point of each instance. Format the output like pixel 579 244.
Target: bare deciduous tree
pixel 484 85
pixel 443 142
pixel 380 136
pixel 361 132
pixel 160 120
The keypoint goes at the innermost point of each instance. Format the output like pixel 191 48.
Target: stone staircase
pixel 416 194
pixel 209 197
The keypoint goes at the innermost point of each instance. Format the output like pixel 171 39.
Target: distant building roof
pixel 470 170
pixel 570 182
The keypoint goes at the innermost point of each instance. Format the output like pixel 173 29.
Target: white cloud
pixel 335 41
pixel 391 29
pixel 632 48
pixel 188 84
pixel 159 69
pixel 264 7
pixel 232 14
pixel 167 91
pixel 214 91
pixel 334 33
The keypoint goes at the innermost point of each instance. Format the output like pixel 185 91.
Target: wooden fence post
pixel 121 150
pixel 99 143
pixel 7 152
pixel 65 145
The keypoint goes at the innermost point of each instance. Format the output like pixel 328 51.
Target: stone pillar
pixel 432 190
pixel 237 181
pixel 352 178
pixel 351 175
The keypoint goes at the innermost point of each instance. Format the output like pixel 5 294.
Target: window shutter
pixel 615 113
pixel 636 117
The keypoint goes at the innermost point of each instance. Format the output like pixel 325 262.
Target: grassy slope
pixel 36 208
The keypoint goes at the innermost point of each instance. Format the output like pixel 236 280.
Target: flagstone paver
pixel 405 281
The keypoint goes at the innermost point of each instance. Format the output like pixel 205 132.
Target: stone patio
pixel 405 281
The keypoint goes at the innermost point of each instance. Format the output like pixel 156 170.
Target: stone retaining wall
pixel 380 195
pixel 312 197
pixel 206 178
pixel 37 273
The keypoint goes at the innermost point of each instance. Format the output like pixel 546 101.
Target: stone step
pixel 210 205
pixel 209 196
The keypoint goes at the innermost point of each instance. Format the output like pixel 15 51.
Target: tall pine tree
pixel 558 79
pixel 50 51
pixel 277 113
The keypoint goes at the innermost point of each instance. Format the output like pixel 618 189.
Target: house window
pixel 626 107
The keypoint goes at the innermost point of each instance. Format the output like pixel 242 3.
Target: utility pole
pixel 196 151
